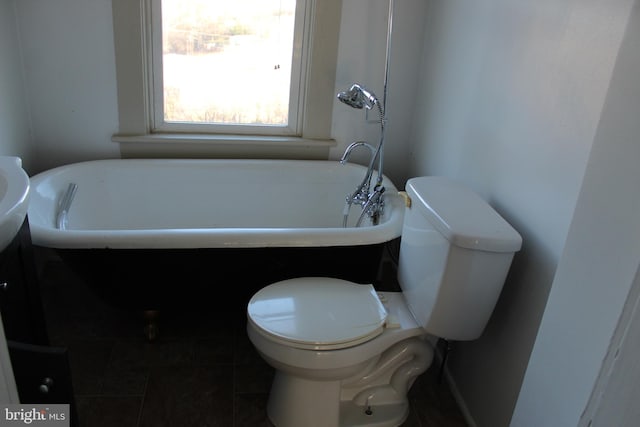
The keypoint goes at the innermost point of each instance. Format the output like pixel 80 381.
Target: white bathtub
pixel 205 204
pixel 151 234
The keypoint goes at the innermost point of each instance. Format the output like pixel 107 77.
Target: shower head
pixel 358 97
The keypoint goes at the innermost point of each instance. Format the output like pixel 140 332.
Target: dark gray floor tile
pixel 125 380
pixel 250 410
pixel 245 352
pixel 215 351
pixel 253 378
pixel 199 324
pixel 432 401
pixel 108 411
pixel 149 354
pixel 88 361
pixel 189 396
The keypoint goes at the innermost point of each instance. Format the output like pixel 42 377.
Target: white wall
pixel 511 97
pixel 69 68
pixel 361 59
pixel 70 74
pixel 598 265
pixel 15 136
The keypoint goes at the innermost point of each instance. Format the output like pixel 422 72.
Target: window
pixel 221 63
pixel 227 72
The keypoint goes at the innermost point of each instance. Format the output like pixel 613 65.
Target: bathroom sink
pixel 14 198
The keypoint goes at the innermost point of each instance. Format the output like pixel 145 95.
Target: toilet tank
pixel 454 257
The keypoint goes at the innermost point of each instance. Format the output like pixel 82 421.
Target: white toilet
pixel 346 355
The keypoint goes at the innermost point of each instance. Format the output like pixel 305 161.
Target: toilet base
pixel 353 415
pixel 374 397
pixel 295 402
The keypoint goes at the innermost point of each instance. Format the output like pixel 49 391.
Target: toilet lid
pixel 318 312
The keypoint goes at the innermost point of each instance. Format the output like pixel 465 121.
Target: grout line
pixel 98 396
pixel 144 398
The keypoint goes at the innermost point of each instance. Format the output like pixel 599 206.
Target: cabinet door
pixel 13 296
pixel 20 302
pixel 42 375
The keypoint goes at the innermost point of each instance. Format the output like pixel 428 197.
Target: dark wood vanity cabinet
pixel 20 302
pixel 41 371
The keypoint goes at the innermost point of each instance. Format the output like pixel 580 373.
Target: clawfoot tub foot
pixel 151 324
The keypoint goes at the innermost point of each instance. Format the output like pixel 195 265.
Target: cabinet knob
pixel 46 384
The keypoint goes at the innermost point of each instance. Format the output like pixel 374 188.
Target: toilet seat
pixel 317 313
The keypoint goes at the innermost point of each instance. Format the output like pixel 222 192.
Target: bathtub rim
pixel 200 238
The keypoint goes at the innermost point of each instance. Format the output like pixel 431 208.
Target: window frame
pixel 296 96
pixel 136 134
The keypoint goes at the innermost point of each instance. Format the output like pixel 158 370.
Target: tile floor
pixel 202 371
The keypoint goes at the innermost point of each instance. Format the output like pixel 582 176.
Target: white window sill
pixel 240 146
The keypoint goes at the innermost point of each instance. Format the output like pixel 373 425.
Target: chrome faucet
pixel 371 201
pixel 361 194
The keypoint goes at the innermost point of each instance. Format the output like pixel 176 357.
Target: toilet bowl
pixel 377 335
pixel 346 355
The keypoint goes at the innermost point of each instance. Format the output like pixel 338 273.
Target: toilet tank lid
pixel 462 216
